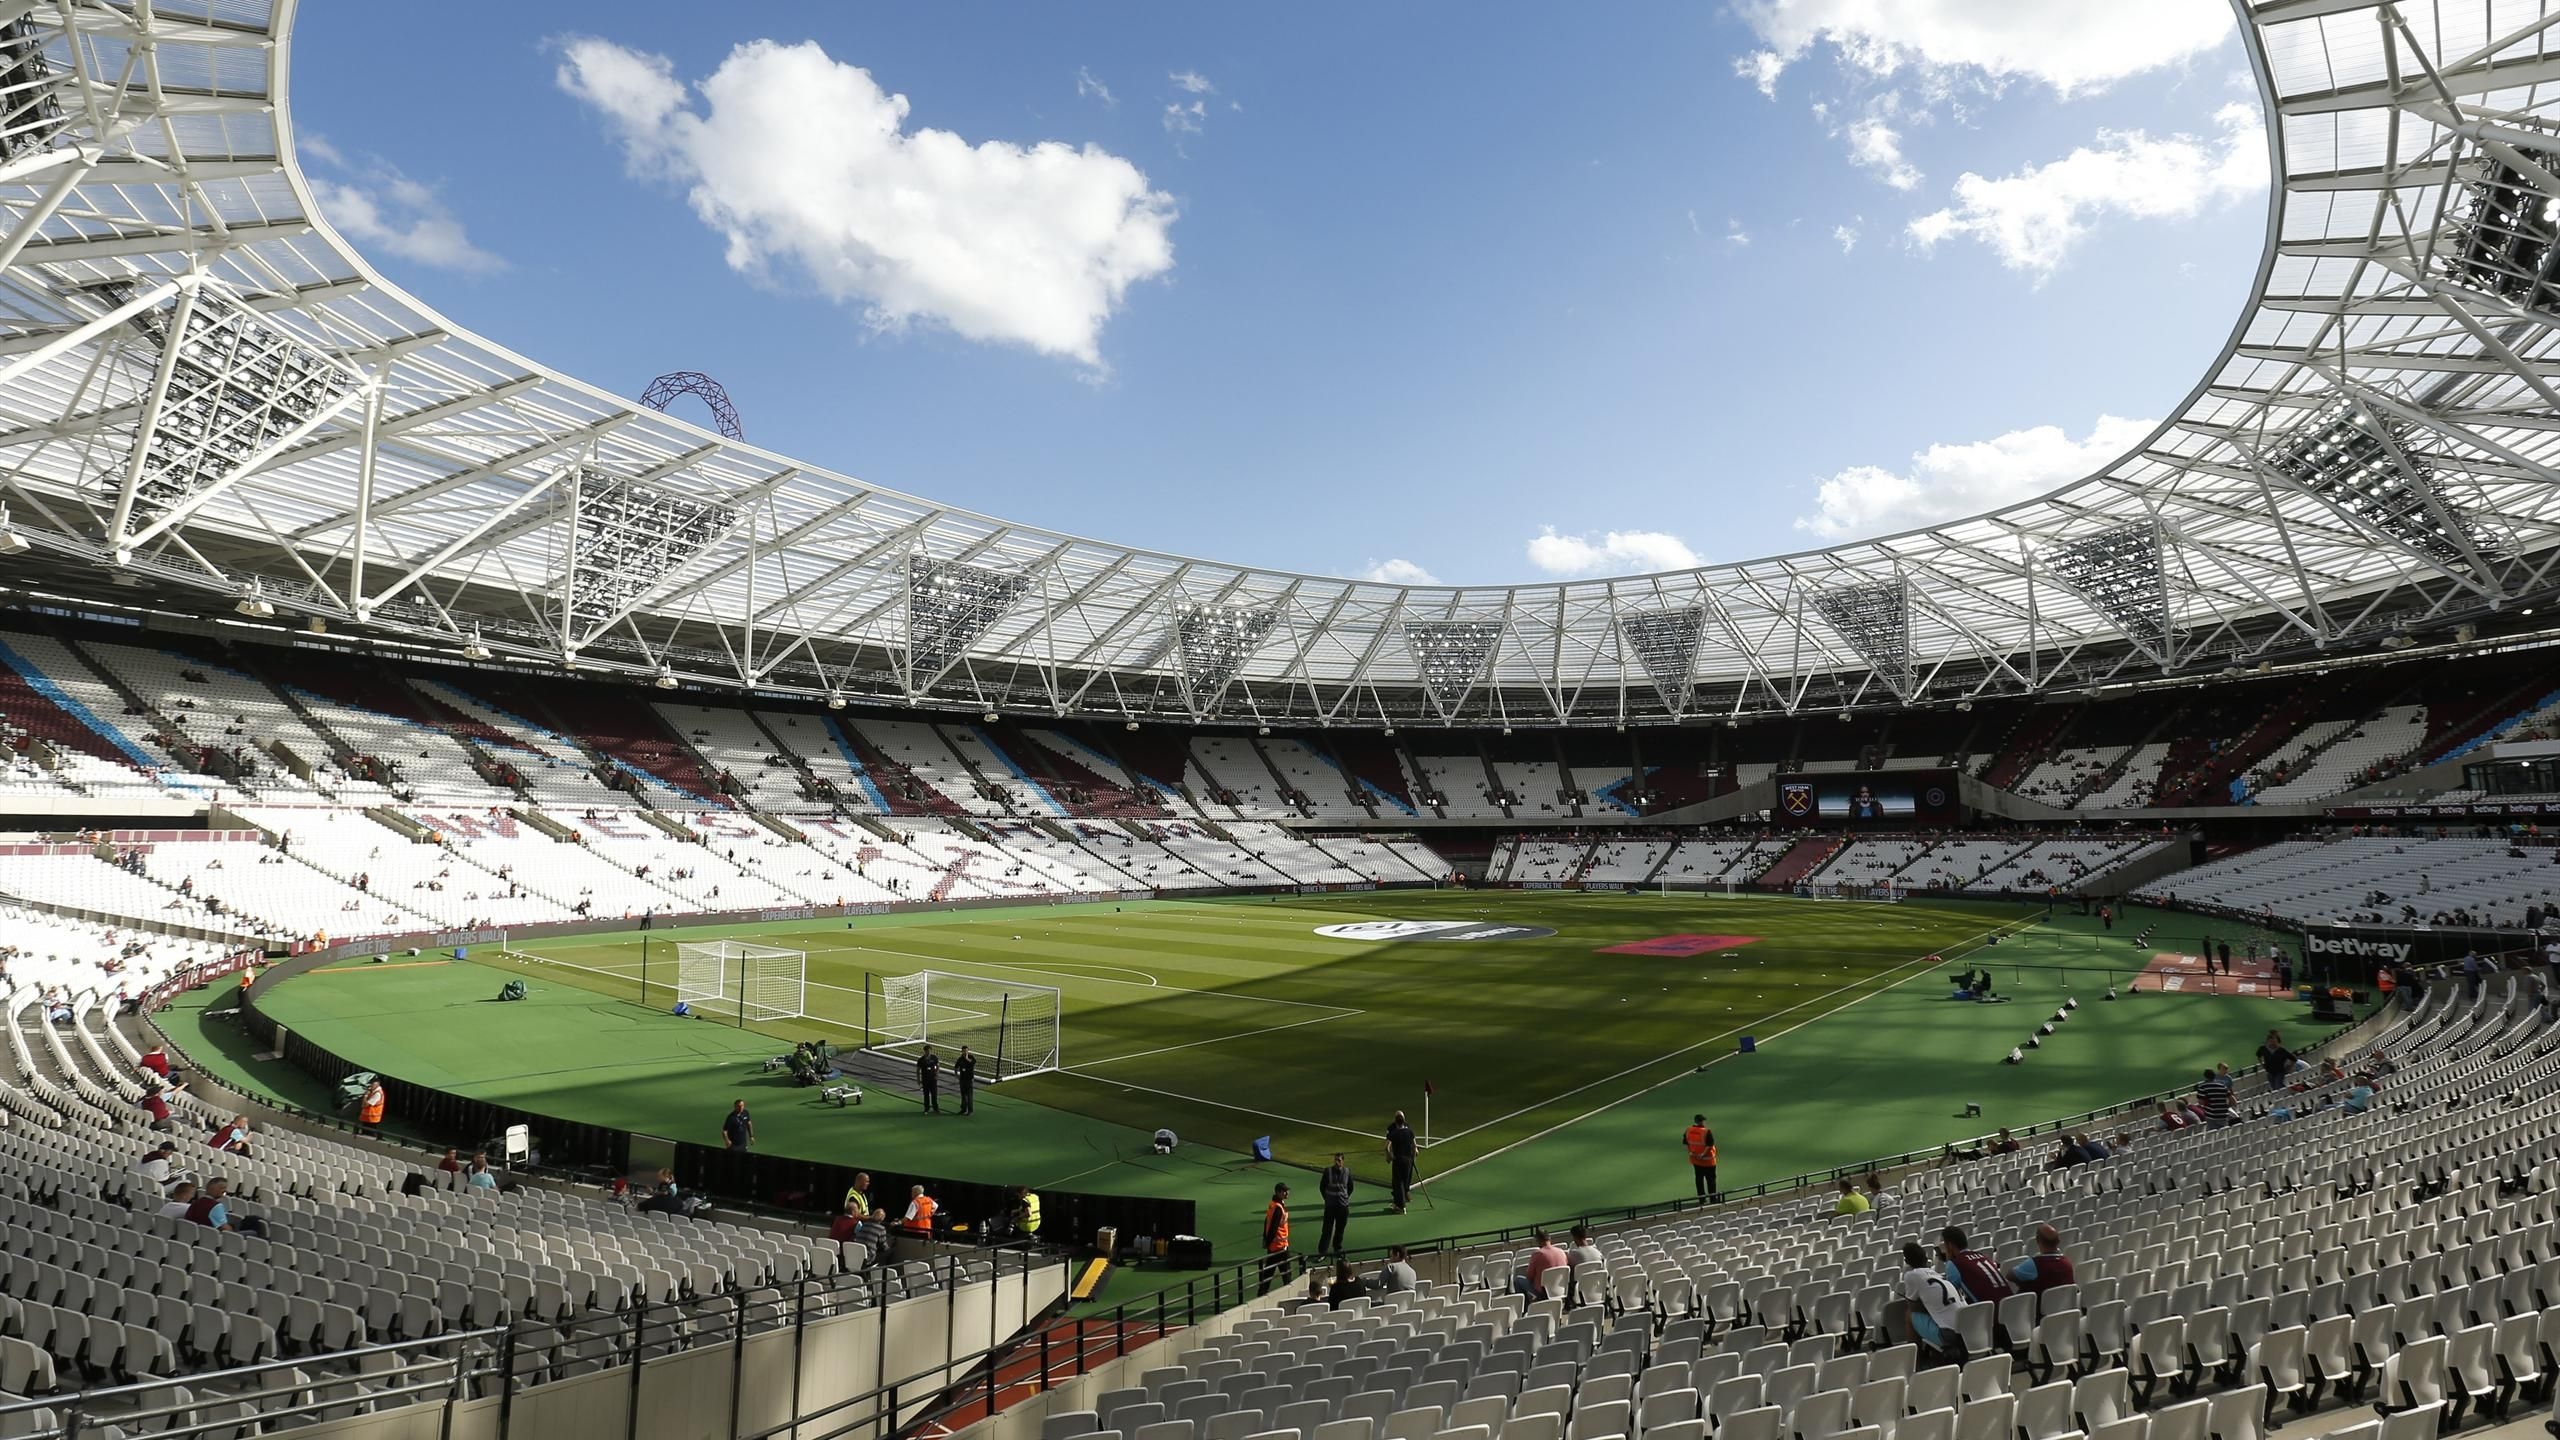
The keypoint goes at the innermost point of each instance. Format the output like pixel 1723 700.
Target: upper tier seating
pixel 728 738
pixel 2338 879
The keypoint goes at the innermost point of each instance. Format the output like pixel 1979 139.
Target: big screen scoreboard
pixel 1888 799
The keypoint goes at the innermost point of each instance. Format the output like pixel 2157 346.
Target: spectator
pixel 182 1196
pixel 1974 1273
pixel 2213 1094
pixel 153 1167
pixel 2047 1267
pixel 232 1136
pixel 1877 1196
pixel 1582 1251
pixel 1851 1202
pixel 2276 1060
pixel 451 1164
pixel 156 1061
pixel 480 1176
pixel 2066 1153
pixel 155 1103
pixel 738 1128
pixel 873 1235
pixel 1396 1277
pixel 2007 1144
pixel 2173 1118
pixel 847 1221
pixel 212 1206
pixel 1933 1302
pixel 1547 1256
pixel 1347 1285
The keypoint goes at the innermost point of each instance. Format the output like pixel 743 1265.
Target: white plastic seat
pixel 2044 1412
pixel 2281 1363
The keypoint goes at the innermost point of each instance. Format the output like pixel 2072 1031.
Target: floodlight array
pixel 1665 643
pixel 1875 618
pixel 238 384
pixel 1452 655
pixel 2504 239
pixel 629 538
pixel 31 114
pixel 949 605
pixel 2361 461
pixel 1215 641
pixel 2119 570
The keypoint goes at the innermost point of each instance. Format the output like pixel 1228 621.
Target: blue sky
pixel 1478 292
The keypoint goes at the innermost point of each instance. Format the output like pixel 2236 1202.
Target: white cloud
pixel 1946 482
pixel 803 162
pixel 1619 552
pixel 1089 88
pixel 1735 235
pixel 1875 145
pixel 1762 68
pixel 1398 572
pixel 1847 235
pixel 373 204
pixel 2072 46
pixel 1192 82
pixel 1185 118
pixel 2032 219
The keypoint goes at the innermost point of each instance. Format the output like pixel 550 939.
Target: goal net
pixel 1882 892
pixel 752 982
pixel 1011 1027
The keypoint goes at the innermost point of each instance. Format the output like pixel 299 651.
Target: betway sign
pixel 2357 947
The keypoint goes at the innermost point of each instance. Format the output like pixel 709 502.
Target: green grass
pixel 1564 1076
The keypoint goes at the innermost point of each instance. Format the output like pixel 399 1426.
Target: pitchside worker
pixel 929 1080
pixel 1275 1238
pixel 1400 1154
pixel 964 1069
pixel 1701 1143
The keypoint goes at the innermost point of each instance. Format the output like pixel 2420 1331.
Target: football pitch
pixel 1566 1049
pixel 1232 1020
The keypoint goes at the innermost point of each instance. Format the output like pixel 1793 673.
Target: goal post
pixel 1011 1026
pixel 752 982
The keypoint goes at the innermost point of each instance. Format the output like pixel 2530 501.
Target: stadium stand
pixel 2224 1279
pixel 2377 879
pixel 344 1253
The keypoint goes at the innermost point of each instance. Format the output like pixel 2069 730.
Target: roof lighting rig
pixel 1215 641
pixel 2361 461
pixel 949 605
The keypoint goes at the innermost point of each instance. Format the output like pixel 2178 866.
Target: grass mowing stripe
pixel 1872 991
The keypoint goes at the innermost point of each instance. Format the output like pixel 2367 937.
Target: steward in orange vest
pixel 1701 1142
pixel 1275 1239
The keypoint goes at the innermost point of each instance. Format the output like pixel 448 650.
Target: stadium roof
pixel 207 398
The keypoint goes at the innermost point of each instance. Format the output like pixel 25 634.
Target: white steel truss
pixel 202 386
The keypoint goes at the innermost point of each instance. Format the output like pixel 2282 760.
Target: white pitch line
pixel 1689 1049
pixel 1223 1105
pixel 1339 1014
pixel 1168 989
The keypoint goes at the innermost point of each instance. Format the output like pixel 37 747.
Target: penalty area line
pixel 1338 1014
pixel 1220 1104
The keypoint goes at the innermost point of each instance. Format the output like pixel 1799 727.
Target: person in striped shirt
pixel 2213 1092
